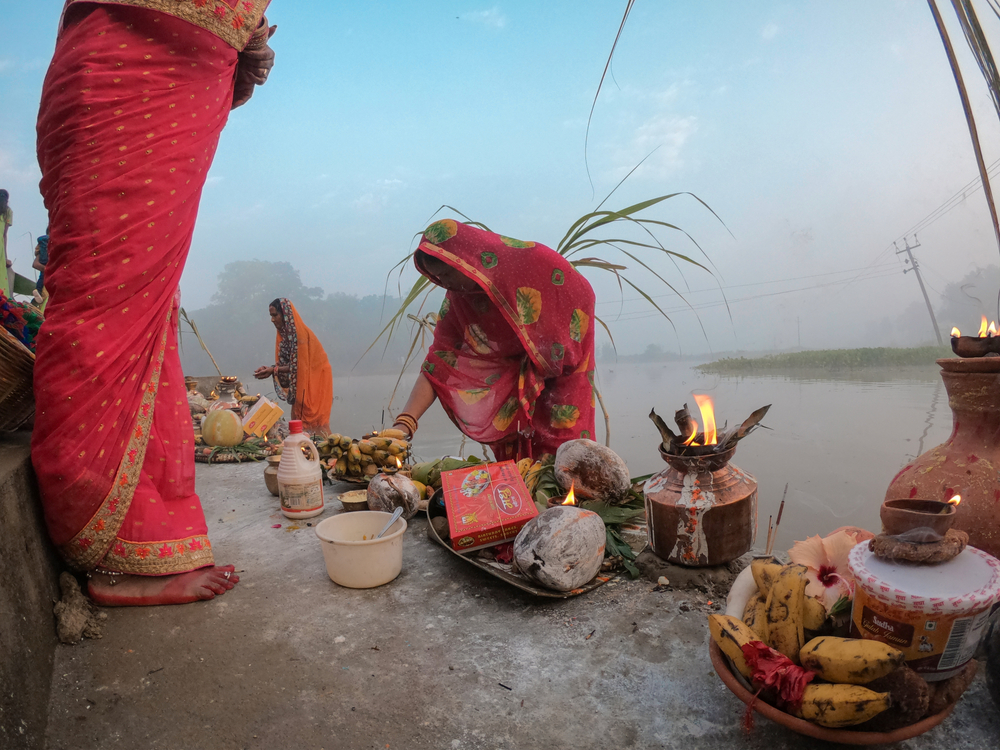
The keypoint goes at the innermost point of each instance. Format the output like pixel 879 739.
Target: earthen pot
pixel 968 462
pixel 908 516
pixel 271 474
pixel 701 510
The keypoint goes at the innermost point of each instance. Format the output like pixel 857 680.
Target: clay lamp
pixel 391 469
pixel 986 343
pixel 570 499
pixel 919 521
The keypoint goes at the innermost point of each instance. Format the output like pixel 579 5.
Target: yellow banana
pixel 849 660
pixel 366 447
pixel 355 453
pixel 398 434
pixel 755 617
pixel 523 465
pixel 813 614
pixel 841 705
pixel 731 635
pixel 765 570
pixel 785 632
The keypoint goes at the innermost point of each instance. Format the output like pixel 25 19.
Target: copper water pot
pixel 701 510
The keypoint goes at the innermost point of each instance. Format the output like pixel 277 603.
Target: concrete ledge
pixel 28 587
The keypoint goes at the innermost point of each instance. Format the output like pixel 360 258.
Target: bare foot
pixel 138 591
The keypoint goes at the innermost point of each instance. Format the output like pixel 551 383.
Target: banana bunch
pixel 531 472
pixel 840 701
pixel 356 460
pixel 781 616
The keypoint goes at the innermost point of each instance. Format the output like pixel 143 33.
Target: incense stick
pixel 781 509
pixel 767 546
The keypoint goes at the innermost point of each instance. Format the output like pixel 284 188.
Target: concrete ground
pixel 443 657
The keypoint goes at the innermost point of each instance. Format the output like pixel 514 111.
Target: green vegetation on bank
pixel 829 359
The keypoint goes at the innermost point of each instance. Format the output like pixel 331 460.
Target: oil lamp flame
pixel 691 437
pixel 570 496
pixel 982 328
pixel 955 333
pixel 399 464
pixel 955 500
pixel 707 418
pixel 992 331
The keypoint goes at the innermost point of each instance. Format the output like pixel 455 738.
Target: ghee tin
pixel 935 614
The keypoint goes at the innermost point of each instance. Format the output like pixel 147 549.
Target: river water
pixel 836 439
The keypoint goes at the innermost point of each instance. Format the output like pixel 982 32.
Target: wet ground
pixel 443 657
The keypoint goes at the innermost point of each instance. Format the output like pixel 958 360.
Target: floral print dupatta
pixel 513 365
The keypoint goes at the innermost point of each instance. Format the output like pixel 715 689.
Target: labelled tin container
pixel 935 614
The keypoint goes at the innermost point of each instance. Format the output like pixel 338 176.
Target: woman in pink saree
pixel 512 360
pixel 132 108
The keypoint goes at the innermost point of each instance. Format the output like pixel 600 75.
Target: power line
pixel 639 314
pixel 741 286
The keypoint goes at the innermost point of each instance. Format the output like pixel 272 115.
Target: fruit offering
pixel 354 460
pixel 785 648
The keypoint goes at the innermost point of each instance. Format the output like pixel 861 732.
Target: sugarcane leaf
pixel 612 514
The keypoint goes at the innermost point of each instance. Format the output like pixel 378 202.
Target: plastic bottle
pixel 300 478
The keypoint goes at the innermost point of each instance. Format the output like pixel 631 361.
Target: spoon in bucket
pixel 395 517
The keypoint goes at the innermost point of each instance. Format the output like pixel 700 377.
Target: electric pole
pixel 916 269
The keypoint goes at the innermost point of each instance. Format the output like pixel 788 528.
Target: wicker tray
pixel 17 397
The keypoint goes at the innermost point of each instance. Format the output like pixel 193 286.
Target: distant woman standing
pixel 301 370
pixel 6 219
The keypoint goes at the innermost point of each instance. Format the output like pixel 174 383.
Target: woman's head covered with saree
pixel 308 383
pixel 513 352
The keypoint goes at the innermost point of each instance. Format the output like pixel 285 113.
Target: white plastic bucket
pixel 359 563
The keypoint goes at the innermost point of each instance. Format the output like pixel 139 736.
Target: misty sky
pixel 819 133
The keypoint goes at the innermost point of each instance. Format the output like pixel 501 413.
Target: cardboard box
pixel 262 417
pixel 486 505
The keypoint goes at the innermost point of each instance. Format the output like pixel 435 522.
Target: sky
pixel 818 133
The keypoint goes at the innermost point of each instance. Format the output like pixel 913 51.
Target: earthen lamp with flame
pixel 911 516
pixel 985 344
pixel 570 498
pixel 391 469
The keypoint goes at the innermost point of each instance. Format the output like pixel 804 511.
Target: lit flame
pixel 982 328
pixel 955 500
pixel 694 432
pixel 399 464
pixel 955 333
pixel 707 418
pixel 570 496
pixel 993 329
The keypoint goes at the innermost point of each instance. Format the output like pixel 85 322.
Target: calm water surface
pixel 836 439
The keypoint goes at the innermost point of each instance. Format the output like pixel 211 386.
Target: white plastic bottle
pixel 300 477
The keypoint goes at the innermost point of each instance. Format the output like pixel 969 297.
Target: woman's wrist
pixel 407 422
pixel 258 40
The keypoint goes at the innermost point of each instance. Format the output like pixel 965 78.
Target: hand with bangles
pixel 255 62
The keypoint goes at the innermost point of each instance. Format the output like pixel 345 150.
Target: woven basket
pixel 17 399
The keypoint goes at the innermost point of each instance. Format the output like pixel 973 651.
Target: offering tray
pixel 505 574
pixel 741 688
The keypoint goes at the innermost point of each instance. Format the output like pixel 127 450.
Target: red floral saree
pixel 132 108
pixel 513 366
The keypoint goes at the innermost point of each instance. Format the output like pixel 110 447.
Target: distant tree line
pixel 237 329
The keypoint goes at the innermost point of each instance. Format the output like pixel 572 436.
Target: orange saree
pixel 308 384
pixel 131 112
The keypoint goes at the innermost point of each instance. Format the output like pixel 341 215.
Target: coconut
pixel 386 492
pixel 561 548
pixel 594 471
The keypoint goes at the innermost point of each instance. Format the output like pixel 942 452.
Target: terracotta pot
pixel 271 474
pixel 975 346
pixel 968 462
pixel 902 516
pixel 701 510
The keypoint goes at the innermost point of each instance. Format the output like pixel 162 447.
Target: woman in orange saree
pixel 132 108
pixel 302 374
pixel 512 360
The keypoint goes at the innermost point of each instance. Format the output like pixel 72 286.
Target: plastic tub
pixel 355 562
pixel 935 614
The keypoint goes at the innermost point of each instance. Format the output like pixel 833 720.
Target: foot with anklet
pixel 123 590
